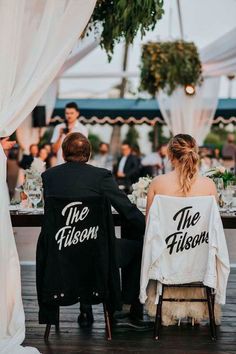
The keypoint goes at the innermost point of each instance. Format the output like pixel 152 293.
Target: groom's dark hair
pixel 76 147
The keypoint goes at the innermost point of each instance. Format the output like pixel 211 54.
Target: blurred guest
pixel 136 152
pixel 229 152
pixel 216 160
pixel 12 168
pixel 43 156
pixel 103 159
pixel 52 158
pixel 71 125
pixel 165 162
pixel 48 147
pixel 127 169
pixel 157 162
pixel 27 160
pixel 205 160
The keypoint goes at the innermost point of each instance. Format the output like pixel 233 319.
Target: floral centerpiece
pixel 221 172
pixel 140 190
pixel 167 65
pixel 32 180
pixel 33 174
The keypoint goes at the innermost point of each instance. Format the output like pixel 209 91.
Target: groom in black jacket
pixel 76 178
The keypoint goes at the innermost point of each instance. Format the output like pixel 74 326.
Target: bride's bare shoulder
pixel 206 180
pixel 207 184
pixel 161 180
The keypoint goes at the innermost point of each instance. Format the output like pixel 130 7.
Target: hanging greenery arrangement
pixel 167 65
pixel 118 20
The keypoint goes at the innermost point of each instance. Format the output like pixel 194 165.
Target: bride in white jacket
pixel 183 181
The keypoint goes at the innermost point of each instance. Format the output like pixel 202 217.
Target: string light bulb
pixel 189 90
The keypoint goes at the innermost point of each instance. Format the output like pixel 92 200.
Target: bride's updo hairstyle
pixel 183 153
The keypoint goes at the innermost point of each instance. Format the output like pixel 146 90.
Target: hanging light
pixel 189 90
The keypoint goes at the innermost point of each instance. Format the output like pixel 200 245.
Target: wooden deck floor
pixel 175 340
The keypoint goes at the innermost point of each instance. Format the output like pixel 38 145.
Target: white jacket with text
pixel 185 242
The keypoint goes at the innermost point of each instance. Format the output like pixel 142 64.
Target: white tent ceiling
pixel 203 22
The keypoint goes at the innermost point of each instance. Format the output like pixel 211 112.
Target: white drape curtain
pixel 194 114
pixel 26 134
pixel 191 114
pixel 36 37
pixel 219 57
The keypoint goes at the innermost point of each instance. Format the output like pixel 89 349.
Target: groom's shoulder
pixel 94 171
pixel 52 170
pixel 98 171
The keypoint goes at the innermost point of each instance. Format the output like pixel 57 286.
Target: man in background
pixel 127 169
pixel 103 159
pixel 156 163
pixel 71 125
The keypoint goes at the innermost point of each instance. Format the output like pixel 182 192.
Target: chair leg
pixel 57 328
pixel 107 321
pixel 157 324
pixel 47 332
pixel 211 313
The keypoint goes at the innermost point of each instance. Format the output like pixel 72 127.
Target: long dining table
pixel 29 219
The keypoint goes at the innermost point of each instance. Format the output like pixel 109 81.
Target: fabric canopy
pixel 191 114
pixel 26 134
pixel 219 58
pixel 194 114
pixel 36 37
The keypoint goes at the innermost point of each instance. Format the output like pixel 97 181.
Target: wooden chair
pixel 107 323
pixel 103 286
pixel 210 299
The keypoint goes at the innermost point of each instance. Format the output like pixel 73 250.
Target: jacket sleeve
pixel 222 259
pixel 122 204
pixel 153 248
pixel 218 267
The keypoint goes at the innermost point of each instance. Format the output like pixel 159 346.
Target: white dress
pixel 12 319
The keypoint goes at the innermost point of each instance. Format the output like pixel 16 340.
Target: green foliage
pixel 213 139
pixel 226 175
pixel 217 137
pixel 132 136
pixel 167 65
pixel 94 141
pixel 161 139
pixel 46 138
pixel 122 19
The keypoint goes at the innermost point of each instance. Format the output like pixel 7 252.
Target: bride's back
pixel 184 180
pixel 168 184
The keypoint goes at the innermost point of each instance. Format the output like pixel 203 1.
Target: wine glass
pixel 35 196
pixel 219 184
pixel 28 184
pixel 227 195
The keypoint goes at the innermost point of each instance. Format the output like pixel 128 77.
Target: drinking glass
pixel 227 195
pixel 219 184
pixel 35 196
pixel 28 185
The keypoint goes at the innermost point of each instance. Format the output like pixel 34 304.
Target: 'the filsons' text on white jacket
pixel 185 242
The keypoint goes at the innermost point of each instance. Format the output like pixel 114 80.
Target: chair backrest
pixel 182 231
pixel 75 251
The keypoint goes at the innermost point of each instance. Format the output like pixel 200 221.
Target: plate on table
pixel 30 211
pixel 14 207
pixel 224 210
